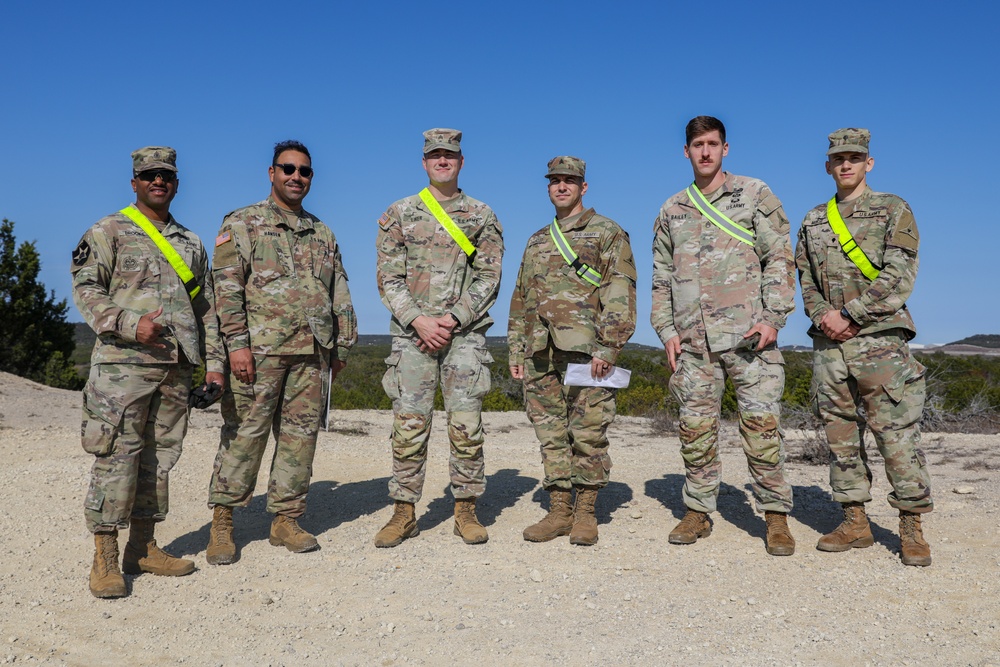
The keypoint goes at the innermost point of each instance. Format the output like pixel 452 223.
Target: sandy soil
pixel 631 599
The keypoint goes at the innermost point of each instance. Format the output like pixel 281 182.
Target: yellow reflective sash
pixel 566 250
pixel 176 261
pixel 449 225
pixel 717 217
pixel 847 242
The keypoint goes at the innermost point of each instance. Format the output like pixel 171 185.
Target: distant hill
pixel 982 340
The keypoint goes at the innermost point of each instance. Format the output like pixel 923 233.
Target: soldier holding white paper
pixel 574 302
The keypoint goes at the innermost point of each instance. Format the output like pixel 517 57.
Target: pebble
pixel 266 599
pixel 635 514
pixel 964 490
pixel 536 576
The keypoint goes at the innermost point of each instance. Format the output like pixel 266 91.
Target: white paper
pixel 578 375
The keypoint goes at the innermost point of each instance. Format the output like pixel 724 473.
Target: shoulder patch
pixel 769 204
pixel 223 238
pixel 904 234
pixel 385 221
pixel 82 253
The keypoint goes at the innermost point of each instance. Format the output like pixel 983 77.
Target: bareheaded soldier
pixel 286 317
pixel 439 255
pixel 142 282
pixel 574 302
pixel 722 288
pixel 857 262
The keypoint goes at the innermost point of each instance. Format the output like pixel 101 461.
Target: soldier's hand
pixel 215 378
pixel 241 362
pixel 336 365
pixel 517 372
pixel 599 369
pixel 834 325
pixel 433 336
pixel 768 335
pixel 673 349
pixel 147 331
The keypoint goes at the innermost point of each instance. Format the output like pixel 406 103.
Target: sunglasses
pixel 150 175
pixel 289 169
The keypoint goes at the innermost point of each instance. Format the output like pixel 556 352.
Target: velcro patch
pixel 81 254
pixel 223 238
pixel 586 235
pixel 904 234
pixel 385 220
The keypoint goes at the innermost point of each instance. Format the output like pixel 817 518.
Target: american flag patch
pixel 222 238
pixel 384 219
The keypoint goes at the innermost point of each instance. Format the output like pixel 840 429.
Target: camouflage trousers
pixel 571 423
pixel 698 385
pixel 287 399
pixel 877 374
pixel 411 379
pixel 134 421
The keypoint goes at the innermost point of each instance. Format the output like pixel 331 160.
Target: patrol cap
pixel 567 165
pixel 154 157
pixel 849 140
pixel 442 137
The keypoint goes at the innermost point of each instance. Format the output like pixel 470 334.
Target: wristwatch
pixel 457 322
pixel 847 315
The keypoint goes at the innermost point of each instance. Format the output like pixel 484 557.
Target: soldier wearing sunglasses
pixel 286 317
pixel 143 284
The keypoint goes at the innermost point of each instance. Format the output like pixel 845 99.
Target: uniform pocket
pixel 390 381
pixel 484 379
pixel 322 264
pixel 102 416
pixel 895 388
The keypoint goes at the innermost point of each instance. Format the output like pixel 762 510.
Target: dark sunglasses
pixel 150 175
pixel 289 169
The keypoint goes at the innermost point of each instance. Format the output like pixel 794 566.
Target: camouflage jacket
pixel 708 287
pixel 119 275
pixel 422 271
pixel 279 287
pixel 883 226
pixel 551 302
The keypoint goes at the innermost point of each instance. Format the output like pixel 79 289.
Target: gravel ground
pixel 631 599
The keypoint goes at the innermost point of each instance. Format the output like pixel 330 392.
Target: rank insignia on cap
pixel 81 254
pixel 222 238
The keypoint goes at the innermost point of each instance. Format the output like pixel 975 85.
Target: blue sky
pixel 84 84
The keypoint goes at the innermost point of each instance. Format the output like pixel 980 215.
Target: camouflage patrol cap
pixel 154 157
pixel 442 137
pixel 849 140
pixel 567 165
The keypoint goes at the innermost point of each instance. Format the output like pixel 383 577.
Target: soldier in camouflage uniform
pixel 151 333
pixel 722 288
pixel 439 286
pixel 860 328
pixel 561 315
pixel 286 317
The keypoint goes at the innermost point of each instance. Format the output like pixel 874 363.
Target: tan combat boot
pixel 779 538
pixel 106 580
pixel 142 554
pixel 912 545
pixel 854 533
pixel 221 548
pixel 584 530
pixel 286 532
pixel 559 520
pixel 466 524
pixel 691 527
pixel 401 525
